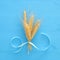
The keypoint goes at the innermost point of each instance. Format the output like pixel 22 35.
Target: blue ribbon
pixel 24 43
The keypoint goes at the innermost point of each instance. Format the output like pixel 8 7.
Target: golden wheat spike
pixel 25 16
pixel 26 27
pixel 31 26
pixel 31 22
pixel 25 23
pixel 28 33
pixel 35 28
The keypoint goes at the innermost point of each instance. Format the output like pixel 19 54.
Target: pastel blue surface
pixel 11 17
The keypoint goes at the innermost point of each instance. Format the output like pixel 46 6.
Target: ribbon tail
pixel 18 50
pixel 22 44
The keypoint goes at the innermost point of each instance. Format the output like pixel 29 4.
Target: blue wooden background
pixel 11 17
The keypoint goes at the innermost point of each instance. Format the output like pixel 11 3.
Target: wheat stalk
pixel 30 30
